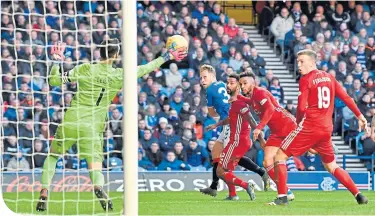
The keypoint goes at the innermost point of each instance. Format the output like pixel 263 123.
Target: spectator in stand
pixel 199 60
pixel 199 12
pixel 154 94
pixel 361 55
pixel 26 134
pixel 11 147
pixel 231 29
pixel 177 102
pixel 236 62
pixel 281 25
pixel 38 155
pixel 8 128
pixel 174 77
pixel 266 81
pixel 357 72
pixel 141 128
pixel 172 164
pixel 345 54
pixel 156 44
pixel 214 16
pixel 180 152
pixel 370 47
pixel 352 62
pixel 148 139
pixel 266 16
pixel 144 162
pixel 197 156
pixel 357 91
pixel 257 63
pixel 276 90
pixel 154 154
pixel 161 128
pixel 348 84
pixel 168 140
pixel 185 112
pixel 296 12
pixel 150 118
pixel 18 163
pixel 366 22
pixel 368 144
pixel 363 36
pixel 174 120
pixel 340 16
pixel 142 101
pixel 307 28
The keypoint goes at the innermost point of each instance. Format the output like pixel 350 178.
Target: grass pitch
pixel 194 203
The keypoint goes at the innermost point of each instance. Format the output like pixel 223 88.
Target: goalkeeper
pixel 84 120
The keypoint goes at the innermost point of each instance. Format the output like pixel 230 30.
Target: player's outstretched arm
pixel 269 109
pixel 54 78
pixel 220 123
pixel 57 54
pixel 178 55
pixel 250 119
pixel 340 93
pixel 302 99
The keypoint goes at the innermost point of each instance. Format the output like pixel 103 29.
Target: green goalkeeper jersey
pixel 97 84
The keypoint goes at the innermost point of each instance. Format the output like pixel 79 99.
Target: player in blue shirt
pixel 218 108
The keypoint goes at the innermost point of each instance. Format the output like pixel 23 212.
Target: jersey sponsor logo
pixel 262 102
pixel 327 184
pixel 243 110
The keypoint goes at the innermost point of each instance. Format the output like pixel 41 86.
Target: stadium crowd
pixel 342 34
pixel 172 104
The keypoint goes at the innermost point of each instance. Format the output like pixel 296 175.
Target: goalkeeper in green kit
pixel 84 120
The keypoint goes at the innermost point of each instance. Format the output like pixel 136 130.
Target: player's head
pixel 110 49
pixel 247 82
pixel 306 60
pixel 207 74
pixel 232 84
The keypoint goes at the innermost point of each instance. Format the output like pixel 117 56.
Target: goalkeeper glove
pixel 57 52
pixel 177 55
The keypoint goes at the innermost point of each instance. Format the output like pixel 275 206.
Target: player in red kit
pixel 239 120
pixel 280 121
pixel 317 91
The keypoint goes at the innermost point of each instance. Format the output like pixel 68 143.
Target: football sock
pixel 232 190
pixel 248 164
pixel 215 178
pixel 346 180
pixel 49 168
pixel 281 178
pixel 271 173
pixel 97 178
pixel 230 178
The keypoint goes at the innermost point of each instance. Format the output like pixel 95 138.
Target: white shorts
pixel 224 135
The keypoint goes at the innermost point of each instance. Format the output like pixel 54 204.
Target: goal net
pixel 32 108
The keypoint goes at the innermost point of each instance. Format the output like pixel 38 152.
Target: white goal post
pixel 130 121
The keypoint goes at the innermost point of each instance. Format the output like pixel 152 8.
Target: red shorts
pixel 275 139
pixel 304 138
pixel 233 152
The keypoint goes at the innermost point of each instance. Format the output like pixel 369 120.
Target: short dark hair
pixel 234 75
pixel 109 48
pixel 247 74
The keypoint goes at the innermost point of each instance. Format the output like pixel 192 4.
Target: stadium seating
pixel 32 109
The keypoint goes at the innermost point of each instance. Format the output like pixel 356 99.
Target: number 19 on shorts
pixel 324 97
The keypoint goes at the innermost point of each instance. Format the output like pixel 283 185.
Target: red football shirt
pixel 269 110
pixel 317 92
pixel 239 127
